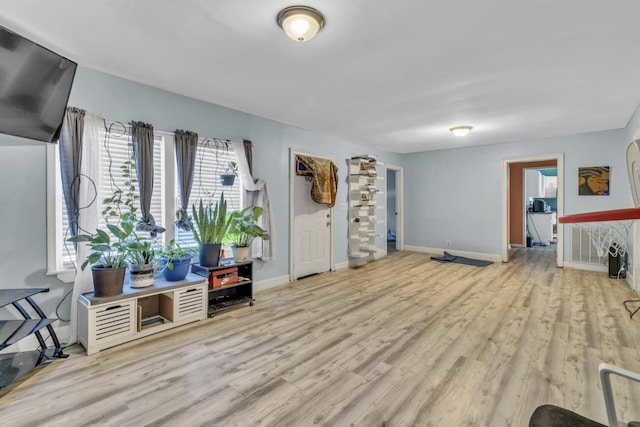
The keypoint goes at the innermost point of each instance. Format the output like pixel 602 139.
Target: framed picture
pixel 593 181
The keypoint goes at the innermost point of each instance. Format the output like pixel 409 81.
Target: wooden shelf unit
pixel 364 202
pixel 231 294
pixel 138 312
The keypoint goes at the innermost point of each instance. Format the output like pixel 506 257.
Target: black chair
pixel 554 416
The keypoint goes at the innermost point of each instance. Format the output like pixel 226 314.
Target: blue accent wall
pixel 449 194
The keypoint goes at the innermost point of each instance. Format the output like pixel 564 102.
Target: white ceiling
pixel 394 75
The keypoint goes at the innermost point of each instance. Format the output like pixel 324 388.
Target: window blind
pixel 116 150
pixel 212 159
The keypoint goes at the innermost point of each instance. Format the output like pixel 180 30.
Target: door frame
pixel 293 152
pixel 399 171
pixel 559 158
pixel 524 207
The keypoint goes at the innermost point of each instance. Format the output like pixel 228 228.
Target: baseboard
pixel 439 252
pixel 341 265
pixel 263 285
pixel 586 267
pixel 630 281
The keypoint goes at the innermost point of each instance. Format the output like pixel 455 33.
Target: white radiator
pixel 582 250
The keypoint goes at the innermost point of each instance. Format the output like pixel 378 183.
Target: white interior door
pixel 311 232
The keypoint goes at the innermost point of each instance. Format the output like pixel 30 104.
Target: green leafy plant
pixel 243 228
pixel 105 251
pixel 232 169
pixel 140 252
pixel 123 199
pixel 173 251
pixel 210 222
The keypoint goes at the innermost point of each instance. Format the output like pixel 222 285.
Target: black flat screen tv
pixel 34 88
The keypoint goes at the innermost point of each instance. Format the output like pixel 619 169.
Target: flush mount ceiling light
pixel 461 130
pixel 300 23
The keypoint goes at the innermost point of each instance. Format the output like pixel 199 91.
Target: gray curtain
pixel 70 147
pixel 186 147
pixel 248 152
pixel 142 137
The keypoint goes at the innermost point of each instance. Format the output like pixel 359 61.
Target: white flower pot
pixel 240 254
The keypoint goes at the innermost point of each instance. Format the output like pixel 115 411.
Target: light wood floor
pixel 399 342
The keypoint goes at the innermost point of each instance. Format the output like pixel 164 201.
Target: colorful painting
pixel 593 181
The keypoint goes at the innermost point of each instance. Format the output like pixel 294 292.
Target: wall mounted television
pixel 34 88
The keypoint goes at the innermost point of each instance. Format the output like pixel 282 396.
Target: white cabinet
pixel 365 205
pixel 550 186
pixel 541 227
pixel 540 186
pixel 533 183
pixel 136 313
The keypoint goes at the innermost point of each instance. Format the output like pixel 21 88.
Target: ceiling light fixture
pixel 300 23
pixel 461 130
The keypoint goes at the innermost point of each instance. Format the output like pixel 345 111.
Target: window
pixel 213 158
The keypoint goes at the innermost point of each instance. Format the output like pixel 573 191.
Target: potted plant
pixel 209 230
pixel 174 261
pixel 243 228
pixel 108 257
pixel 229 175
pixel 140 259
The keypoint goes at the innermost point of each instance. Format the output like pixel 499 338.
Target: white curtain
pixel 262 249
pixel 88 213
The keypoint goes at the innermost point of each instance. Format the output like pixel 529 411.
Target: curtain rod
pixel 125 129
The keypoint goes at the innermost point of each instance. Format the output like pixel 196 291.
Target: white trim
pixel 263 285
pixel 599 268
pixel 399 170
pixel 51 210
pixel 630 281
pixel 169 175
pixel 342 265
pixel 559 158
pixel 634 271
pixel 440 252
pixel 293 152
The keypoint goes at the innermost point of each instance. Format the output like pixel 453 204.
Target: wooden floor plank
pixel 400 341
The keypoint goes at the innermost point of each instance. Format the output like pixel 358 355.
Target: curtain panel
pixel 70 149
pixel 259 196
pixel 142 138
pixel 88 215
pixel 186 145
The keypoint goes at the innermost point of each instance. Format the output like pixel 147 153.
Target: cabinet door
pixel 111 322
pixel 533 183
pixel 550 186
pixel 191 303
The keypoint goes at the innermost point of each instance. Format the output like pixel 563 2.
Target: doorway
pixel 310 226
pixel 394 233
pixel 514 203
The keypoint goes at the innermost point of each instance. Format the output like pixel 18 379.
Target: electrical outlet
pixel 448 243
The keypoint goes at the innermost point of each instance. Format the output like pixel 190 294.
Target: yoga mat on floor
pixel 447 257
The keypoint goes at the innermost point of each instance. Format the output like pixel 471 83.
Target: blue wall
pixel 449 194
pixel 23 171
pixel 455 195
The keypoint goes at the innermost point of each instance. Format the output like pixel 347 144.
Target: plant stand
pixel 15 365
pixel 224 294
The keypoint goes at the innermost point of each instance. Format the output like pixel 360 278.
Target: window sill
pixel 67 276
